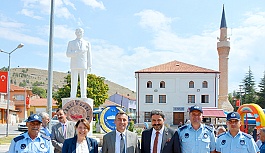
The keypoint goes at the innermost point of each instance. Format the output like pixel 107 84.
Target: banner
pixel 3 81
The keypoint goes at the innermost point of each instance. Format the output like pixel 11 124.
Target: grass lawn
pixel 4 140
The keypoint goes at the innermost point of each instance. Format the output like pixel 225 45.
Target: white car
pixel 54 121
pixel 22 126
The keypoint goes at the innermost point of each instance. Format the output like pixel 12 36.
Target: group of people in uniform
pixel 194 137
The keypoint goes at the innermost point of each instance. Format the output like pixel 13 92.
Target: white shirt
pixel 82 147
pixel 159 144
pixel 118 139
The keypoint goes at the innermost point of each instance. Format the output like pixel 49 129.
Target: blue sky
pixel 127 36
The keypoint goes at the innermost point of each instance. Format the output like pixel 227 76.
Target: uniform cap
pixel 34 117
pixel 193 108
pixel 233 115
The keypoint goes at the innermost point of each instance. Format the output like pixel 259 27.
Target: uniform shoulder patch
pixel 16 139
pixel 45 137
pixel 183 127
pixel 209 128
pixel 221 134
pixel 247 135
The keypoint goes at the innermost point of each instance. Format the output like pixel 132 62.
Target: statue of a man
pixel 79 51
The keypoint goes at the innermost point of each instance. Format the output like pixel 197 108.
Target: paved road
pixel 12 131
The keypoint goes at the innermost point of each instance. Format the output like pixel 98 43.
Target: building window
pixel 147 116
pixel 191 98
pixel 162 84
pixel 148 98
pixel 191 84
pixel 204 84
pixel 205 99
pixel 19 97
pixel 149 84
pixel 162 99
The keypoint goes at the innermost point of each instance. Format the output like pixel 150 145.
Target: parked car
pixel 54 120
pixel 22 126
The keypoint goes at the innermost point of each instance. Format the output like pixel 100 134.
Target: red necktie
pixel 155 143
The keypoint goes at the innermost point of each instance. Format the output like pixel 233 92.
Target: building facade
pixel 173 87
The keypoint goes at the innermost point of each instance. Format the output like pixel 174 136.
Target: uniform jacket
pixel 132 143
pixel 57 135
pixel 146 139
pixel 69 145
pixel 23 143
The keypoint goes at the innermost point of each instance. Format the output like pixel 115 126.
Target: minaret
pixel 223 47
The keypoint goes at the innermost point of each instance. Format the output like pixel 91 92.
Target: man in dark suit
pixel 112 141
pixel 61 131
pixel 155 139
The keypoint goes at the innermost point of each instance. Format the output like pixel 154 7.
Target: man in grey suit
pixel 61 131
pixel 79 50
pixel 155 139
pixel 119 140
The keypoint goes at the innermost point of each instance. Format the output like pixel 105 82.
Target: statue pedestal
pixel 77 108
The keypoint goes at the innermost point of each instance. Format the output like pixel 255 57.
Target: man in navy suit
pixel 151 144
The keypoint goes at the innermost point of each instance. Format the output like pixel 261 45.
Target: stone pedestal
pixel 77 108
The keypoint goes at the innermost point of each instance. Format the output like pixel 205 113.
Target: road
pixel 12 131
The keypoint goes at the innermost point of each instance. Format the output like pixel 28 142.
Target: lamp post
pixel 8 84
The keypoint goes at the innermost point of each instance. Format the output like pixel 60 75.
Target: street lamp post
pixel 8 84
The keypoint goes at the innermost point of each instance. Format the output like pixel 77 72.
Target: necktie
pixel 155 143
pixel 122 145
pixel 64 131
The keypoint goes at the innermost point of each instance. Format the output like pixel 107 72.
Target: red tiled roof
pixel 40 102
pixel 16 88
pixel 176 67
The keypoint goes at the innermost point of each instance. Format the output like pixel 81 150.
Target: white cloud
pixel 28 13
pixel 154 20
pixel 94 4
pixel 37 8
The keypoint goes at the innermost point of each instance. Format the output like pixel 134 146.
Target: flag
pixel 27 100
pixel 237 103
pixel 3 81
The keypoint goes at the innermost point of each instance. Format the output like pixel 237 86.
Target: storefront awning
pixel 218 113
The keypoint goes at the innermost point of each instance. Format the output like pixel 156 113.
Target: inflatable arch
pixel 257 112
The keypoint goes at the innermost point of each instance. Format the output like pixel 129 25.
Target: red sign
pixel 27 100
pixel 3 81
pixel 237 103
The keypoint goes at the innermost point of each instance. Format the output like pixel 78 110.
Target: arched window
pixel 149 84
pixel 162 84
pixel 204 84
pixel 191 84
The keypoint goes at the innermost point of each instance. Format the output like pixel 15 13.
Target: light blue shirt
pixel 23 143
pixel 241 143
pixel 196 141
pixel 45 131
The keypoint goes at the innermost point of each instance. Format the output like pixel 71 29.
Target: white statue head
pixel 79 32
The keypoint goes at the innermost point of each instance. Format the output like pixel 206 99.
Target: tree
pixel 261 93
pixel 96 90
pixel 39 91
pixel 249 95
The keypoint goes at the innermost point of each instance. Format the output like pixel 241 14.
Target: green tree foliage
pixel 4 69
pixel 261 93
pixel 39 91
pixel 96 90
pixel 232 97
pixel 249 95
